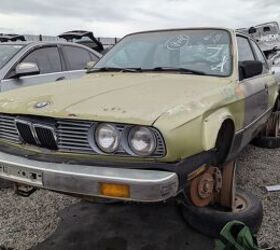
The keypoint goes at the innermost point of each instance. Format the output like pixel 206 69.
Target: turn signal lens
pixel 114 190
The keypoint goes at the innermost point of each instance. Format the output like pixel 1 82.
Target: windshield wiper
pixel 181 70
pixel 115 69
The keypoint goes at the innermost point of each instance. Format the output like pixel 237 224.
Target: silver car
pixel 28 63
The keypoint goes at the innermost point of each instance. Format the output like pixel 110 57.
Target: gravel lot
pixel 24 222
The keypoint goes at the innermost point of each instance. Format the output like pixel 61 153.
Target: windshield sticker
pixel 17 46
pixel 177 42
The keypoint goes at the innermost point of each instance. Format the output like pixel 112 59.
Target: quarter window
pixel 47 59
pixel 245 52
pixel 77 58
pixel 259 55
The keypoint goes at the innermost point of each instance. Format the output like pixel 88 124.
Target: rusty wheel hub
pixel 213 185
pixel 203 187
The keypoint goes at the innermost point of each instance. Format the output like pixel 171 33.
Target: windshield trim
pixel 182 29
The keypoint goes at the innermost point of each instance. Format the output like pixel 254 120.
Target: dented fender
pixel 211 126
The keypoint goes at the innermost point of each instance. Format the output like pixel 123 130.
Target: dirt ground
pixel 25 222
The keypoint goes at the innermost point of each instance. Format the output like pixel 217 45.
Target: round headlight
pixel 142 141
pixel 107 138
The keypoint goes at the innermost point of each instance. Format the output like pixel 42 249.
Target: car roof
pixel 38 43
pixel 181 29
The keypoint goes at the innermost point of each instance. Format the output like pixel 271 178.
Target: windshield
pixel 7 51
pixel 206 51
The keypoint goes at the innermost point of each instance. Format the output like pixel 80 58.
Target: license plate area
pixel 21 174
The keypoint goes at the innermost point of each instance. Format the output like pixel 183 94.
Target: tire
pixel 270 136
pixel 267 142
pixel 211 220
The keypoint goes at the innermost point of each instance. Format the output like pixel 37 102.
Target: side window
pixel 259 55
pixel 47 59
pixel 93 57
pixel 245 52
pixel 76 57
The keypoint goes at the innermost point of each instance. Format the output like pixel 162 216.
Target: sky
pixel 120 17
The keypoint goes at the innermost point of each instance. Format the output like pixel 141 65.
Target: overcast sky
pixel 119 17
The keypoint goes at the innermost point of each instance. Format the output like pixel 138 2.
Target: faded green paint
pixel 187 109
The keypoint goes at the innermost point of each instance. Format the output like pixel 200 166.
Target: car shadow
pixel 5 184
pixel 124 226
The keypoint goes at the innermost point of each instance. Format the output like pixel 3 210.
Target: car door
pixel 269 77
pixel 49 62
pixel 255 89
pixel 76 59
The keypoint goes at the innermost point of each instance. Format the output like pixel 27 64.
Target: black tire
pixel 211 220
pixel 267 142
pixel 269 137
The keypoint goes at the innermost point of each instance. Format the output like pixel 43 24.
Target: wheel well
pixel 224 140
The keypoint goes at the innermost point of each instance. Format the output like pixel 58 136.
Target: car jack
pixel 23 190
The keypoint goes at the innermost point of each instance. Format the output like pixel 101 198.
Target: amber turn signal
pixel 114 190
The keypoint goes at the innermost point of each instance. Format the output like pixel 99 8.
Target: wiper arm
pixel 181 70
pixel 115 69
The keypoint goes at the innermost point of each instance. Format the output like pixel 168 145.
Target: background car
pixel 24 63
pixel 87 38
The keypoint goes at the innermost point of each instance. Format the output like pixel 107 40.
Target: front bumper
pixel 144 185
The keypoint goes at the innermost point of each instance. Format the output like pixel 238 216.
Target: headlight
pixel 142 141
pixel 107 138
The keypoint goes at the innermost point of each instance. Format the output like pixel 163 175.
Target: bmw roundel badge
pixel 40 105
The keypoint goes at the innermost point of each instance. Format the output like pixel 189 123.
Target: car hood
pixel 136 98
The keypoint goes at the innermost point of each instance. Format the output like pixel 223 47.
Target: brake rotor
pixel 227 194
pixel 202 188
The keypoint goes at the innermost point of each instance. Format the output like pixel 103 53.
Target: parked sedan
pixel 30 63
pixel 163 113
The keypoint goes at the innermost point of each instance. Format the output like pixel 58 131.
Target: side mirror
pixel 249 69
pixel 90 65
pixel 25 69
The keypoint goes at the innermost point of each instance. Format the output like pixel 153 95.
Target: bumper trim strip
pixel 145 185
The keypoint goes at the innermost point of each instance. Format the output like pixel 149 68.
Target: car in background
pixel 87 38
pixel 24 63
pixel 267 35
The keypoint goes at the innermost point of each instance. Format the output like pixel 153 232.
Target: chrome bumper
pixel 144 185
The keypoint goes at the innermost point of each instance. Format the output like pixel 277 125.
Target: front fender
pixel 211 126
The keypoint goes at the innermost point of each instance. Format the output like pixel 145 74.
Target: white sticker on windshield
pixel 17 46
pixel 177 42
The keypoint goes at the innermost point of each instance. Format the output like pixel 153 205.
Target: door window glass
pixel 245 52
pixel 77 58
pixel 259 55
pixel 47 59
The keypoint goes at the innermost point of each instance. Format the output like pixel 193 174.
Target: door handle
pixel 60 79
pixel 266 88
